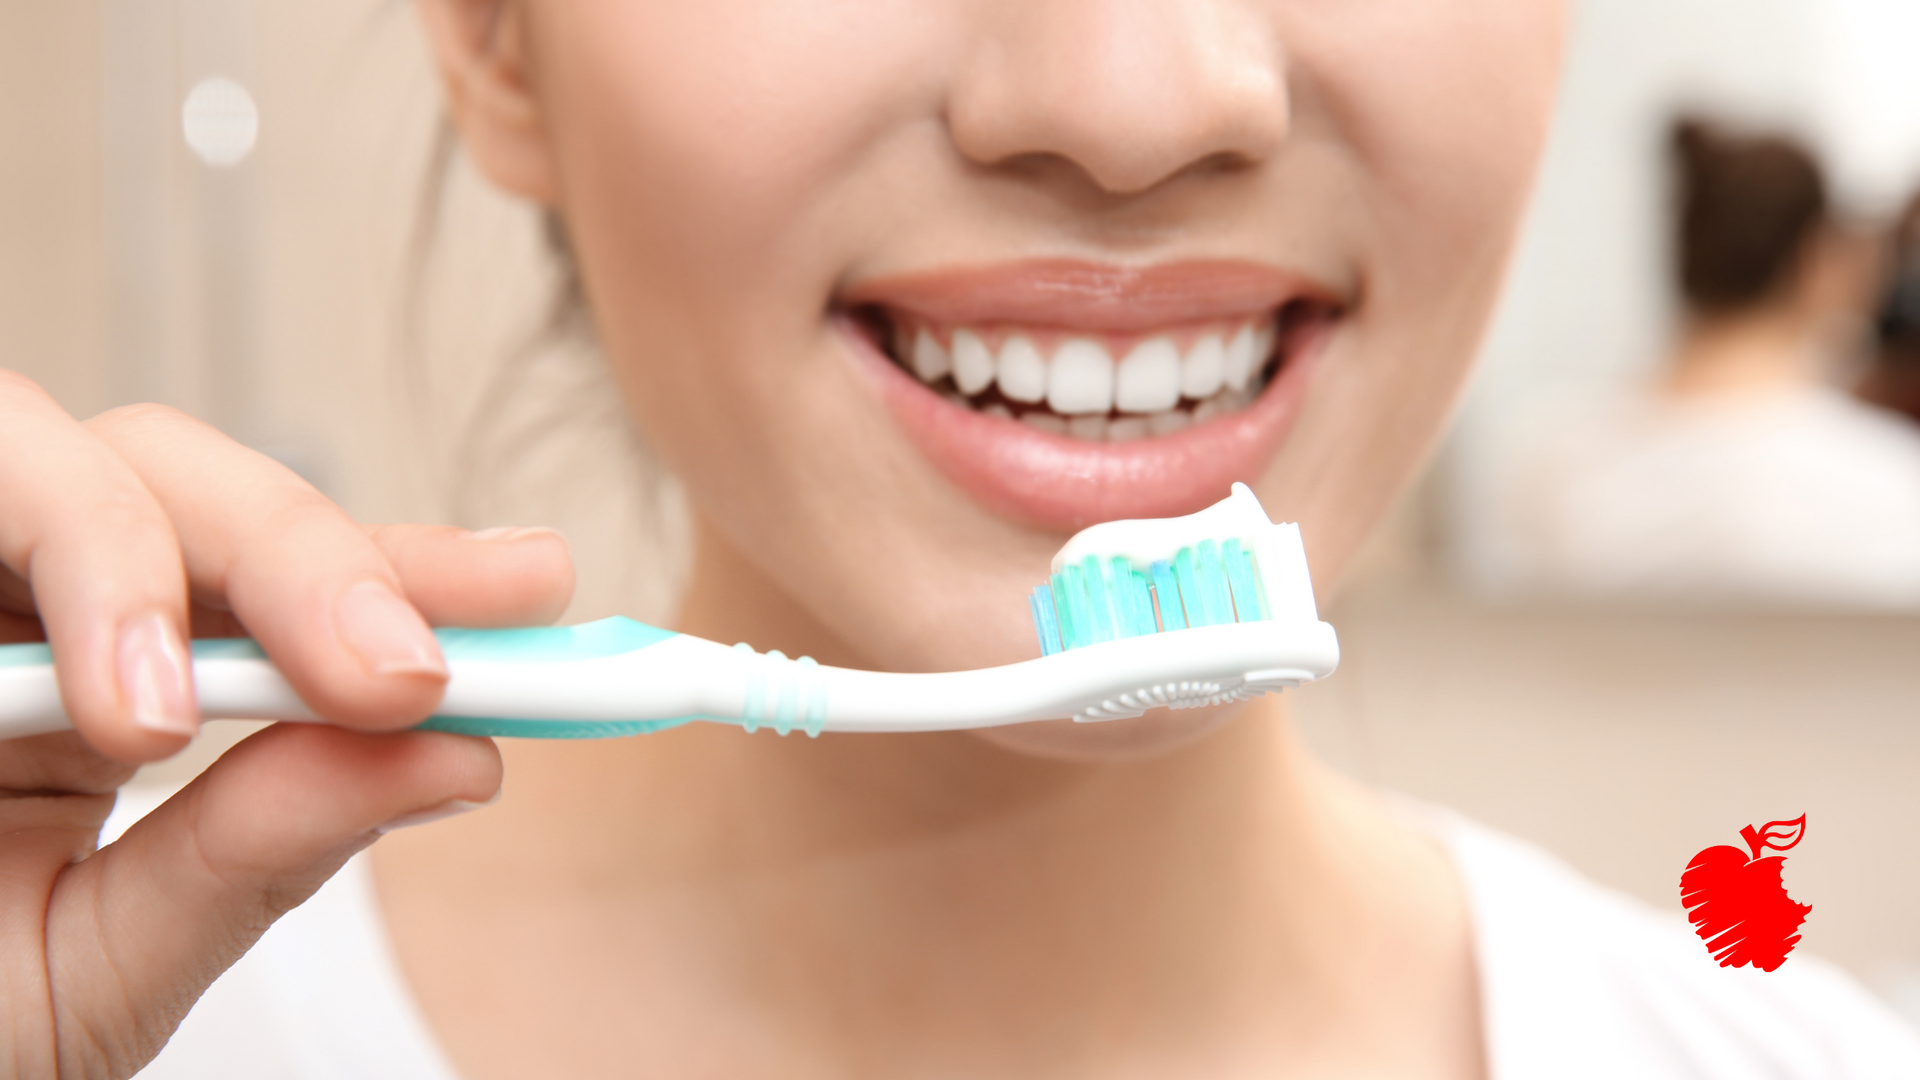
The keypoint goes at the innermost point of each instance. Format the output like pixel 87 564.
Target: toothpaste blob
pixel 1126 579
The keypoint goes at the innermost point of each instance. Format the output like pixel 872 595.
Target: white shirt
pixel 1807 497
pixel 1577 982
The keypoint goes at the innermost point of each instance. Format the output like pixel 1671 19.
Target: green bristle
pixel 1105 599
pixel 1250 567
pixel 1117 600
pixel 1203 571
pixel 1259 586
pixel 1223 586
pixel 1206 578
pixel 1142 601
pixel 1083 606
pixel 1240 574
pixel 1213 583
pixel 1172 615
pixel 1045 625
pixel 1099 599
pixel 1189 589
pixel 1071 636
pixel 1124 623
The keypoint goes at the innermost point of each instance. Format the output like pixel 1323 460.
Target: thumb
pixel 136 933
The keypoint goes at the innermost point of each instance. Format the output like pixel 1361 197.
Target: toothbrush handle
pixel 234 680
pixel 229 687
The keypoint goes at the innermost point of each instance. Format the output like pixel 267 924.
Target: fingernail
pixel 440 812
pixel 156 676
pixel 507 534
pixel 390 637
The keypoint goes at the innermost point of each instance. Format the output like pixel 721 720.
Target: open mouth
pixel 1060 392
pixel 1096 387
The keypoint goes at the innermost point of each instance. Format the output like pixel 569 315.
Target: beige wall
pixel 50 258
pixel 267 298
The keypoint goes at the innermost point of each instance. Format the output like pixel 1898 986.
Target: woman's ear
pixel 481 49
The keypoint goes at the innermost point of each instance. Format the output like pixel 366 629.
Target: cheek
pixel 1444 106
pixel 712 138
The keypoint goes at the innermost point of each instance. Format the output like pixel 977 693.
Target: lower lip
pixel 1060 483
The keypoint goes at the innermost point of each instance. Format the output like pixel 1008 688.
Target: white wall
pixel 1587 306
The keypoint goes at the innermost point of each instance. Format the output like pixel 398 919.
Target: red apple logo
pixel 1737 903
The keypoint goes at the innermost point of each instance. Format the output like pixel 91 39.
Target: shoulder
pixel 1579 981
pixel 1856 434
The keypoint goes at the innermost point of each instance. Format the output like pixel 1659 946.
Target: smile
pixel 1104 388
pixel 1063 393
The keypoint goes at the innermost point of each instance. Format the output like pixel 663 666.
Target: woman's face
pixel 908 290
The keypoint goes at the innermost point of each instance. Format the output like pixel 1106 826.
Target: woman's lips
pixel 1064 483
pixel 1091 297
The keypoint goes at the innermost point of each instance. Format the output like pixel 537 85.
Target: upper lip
pixel 1075 294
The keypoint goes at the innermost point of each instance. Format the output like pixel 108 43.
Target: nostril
pixel 1130 96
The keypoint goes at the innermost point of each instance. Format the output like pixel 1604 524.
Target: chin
pixel 1151 734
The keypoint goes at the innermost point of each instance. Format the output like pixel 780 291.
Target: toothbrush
pixel 1179 612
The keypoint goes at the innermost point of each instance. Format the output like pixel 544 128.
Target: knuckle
pixel 15 385
pixel 303 513
pixel 305 529
pixel 61 762
pixel 144 417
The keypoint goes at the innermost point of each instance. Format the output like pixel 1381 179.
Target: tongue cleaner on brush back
pixel 1178 612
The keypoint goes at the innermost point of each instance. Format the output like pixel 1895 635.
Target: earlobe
pixel 480 47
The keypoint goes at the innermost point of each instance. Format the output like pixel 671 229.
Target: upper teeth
pixel 1082 378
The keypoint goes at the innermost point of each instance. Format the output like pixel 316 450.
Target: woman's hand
pixel 116 536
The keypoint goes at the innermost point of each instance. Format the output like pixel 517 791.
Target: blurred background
pixel 1663 580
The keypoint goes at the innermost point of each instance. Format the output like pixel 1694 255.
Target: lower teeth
pixel 1115 427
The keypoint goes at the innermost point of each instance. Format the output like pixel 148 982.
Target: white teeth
pixel 1168 422
pixel 1022 370
pixel 1247 354
pixel 1081 384
pixel 1148 380
pixel 1080 379
pixel 1239 361
pixel 1205 366
pixel 972 363
pixel 1090 428
pixel 929 358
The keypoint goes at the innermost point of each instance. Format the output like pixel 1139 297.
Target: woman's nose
pixel 1131 92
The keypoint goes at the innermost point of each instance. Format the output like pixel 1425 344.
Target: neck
pixel 938 886
pixel 1768 351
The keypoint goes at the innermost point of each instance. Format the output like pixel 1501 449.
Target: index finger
pixel 295 569
pixel 105 577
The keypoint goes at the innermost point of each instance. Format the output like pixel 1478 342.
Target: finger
pixel 495 577
pixel 104 568
pixel 300 574
pixel 60 763
pixel 208 622
pixel 156 916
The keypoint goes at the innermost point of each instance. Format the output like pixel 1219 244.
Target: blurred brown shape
pixel 1893 379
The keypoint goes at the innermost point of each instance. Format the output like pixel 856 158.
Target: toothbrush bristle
pixel 1208 584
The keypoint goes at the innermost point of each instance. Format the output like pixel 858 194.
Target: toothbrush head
pixel 1226 564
